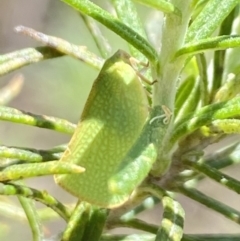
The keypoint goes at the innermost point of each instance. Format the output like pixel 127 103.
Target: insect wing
pixel 112 120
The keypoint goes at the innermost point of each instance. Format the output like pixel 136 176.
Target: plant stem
pixel 211 203
pixel 216 175
pixel 42 121
pixel 43 197
pixel 33 218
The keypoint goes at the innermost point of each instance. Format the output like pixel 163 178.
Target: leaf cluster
pixel 199 92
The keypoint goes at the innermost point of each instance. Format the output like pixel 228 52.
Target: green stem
pixel 137 224
pixel 61 45
pixel 18 59
pixel 167 75
pixel 216 175
pixel 133 21
pixel 213 43
pixel 19 171
pixel 211 203
pixel 41 121
pixel 11 189
pixel 224 158
pixel 202 67
pixel 101 42
pixel 95 225
pixel 33 218
pixel 209 19
pixel 154 190
pixel 204 116
pixel 171 228
pixel 127 33
pixel 219 56
pixel 29 155
pixel 188 98
pixel 77 222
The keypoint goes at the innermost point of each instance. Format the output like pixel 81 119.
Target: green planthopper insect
pixel 111 122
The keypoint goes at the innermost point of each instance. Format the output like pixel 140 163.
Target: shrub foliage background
pixel 193 58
